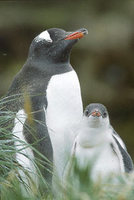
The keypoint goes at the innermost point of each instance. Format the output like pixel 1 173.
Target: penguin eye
pixel 86 113
pixel 105 114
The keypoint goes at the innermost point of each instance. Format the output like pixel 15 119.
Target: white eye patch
pixel 45 36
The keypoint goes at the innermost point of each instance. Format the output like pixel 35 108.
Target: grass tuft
pixel 17 182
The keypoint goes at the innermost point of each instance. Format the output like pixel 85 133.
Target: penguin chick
pixel 99 146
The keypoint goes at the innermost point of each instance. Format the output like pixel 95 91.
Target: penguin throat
pixel 63 57
pixel 98 123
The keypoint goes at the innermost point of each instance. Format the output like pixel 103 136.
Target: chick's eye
pixel 104 114
pixel 86 113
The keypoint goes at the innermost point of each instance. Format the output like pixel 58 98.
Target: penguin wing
pixel 36 133
pixel 115 134
pixel 123 157
pixel 34 103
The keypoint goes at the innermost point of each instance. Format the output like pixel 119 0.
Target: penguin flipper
pixel 38 136
pixel 126 158
pixel 116 135
pixel 15 100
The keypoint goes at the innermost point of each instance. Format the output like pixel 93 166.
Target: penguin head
pixel 97 115
pixel 54 45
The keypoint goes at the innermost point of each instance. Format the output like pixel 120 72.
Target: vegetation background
pixel 103 60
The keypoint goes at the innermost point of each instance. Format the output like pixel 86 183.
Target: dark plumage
pixel 49 54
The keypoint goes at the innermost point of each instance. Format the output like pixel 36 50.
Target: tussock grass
pixel 17 183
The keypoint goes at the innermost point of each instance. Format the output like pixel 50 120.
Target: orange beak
pixel 75 35
pixel 96 114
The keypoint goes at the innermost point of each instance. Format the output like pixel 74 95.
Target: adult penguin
pixel 46 97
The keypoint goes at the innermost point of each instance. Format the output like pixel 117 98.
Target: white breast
pixel 102 159
pixel 98 153
pixel 63 113
pixel 64 100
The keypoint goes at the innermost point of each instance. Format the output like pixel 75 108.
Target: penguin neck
pixel 90 137
pixel 95 124
pixel 47 68
pixel 51 55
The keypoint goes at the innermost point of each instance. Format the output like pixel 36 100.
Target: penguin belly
pixel 103 161
pixel 63 113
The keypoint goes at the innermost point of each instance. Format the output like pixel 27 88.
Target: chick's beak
pixel 96 114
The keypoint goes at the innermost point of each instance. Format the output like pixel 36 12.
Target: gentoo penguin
pixel 98 145
pixel 44 95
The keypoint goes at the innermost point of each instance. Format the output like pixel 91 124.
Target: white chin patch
pixel 45 36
